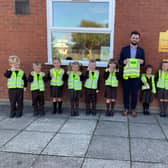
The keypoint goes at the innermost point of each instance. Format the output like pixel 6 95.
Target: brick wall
pixel 26 36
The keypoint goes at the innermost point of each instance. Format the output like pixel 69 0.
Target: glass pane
pixel 80 14
pixel 81 46
pixel 22 7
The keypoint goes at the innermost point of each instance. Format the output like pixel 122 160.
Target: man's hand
pixel 126 61
pixel 141 61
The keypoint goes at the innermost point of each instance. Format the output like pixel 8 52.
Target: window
pixel 22 7
pixel 81 30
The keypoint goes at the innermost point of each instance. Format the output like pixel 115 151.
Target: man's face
pixel 135 38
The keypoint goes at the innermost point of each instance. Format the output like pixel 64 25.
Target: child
pixel 92 87
pixel 148 88
pixel 56 77
pixel 162 86
pixel 111 76
pixel 17 83
pixel 37 87
pixel 75 79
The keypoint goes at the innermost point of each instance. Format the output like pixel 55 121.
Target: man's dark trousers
pixel 130 87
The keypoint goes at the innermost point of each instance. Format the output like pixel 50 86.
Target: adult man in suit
pixel 131 85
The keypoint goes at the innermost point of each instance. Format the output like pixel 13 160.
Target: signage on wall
pixel 163 42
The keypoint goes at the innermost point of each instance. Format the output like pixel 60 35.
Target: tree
pixel 90 41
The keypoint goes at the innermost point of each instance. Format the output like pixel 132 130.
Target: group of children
pixel 74 77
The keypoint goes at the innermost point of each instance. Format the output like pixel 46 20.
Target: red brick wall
pixel 26 36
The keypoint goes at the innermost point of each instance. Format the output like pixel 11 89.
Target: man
pixel 131 83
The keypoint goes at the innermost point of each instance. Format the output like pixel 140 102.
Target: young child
pixel 75 79
pixel 17 83
pixel 148 88
pixel 37 87
pixel 92 87
pixel 56 77
pixel 162 86
pixel 111 76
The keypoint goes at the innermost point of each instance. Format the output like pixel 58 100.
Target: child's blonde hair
pixel 56 58
pixel 13 59
pixel 74 63
pixel 36 63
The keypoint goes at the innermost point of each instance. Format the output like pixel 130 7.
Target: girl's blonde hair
pixel 74 63
pixel 56 59
pixel 13 59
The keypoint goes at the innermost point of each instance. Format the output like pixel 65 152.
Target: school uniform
pixel 162 90
pixel 37 87
pixel 17 81
pixel 91 85
pixel 111 85
pixel 148 90
pixel 57 78
pixel 74 91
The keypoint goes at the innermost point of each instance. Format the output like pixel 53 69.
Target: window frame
pixel 109 30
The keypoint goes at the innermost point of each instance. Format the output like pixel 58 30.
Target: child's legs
pixel 41 101
pixel 12 98
pixel 35 100
pixel 19 102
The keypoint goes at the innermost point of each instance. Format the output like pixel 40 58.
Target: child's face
pixel 37 68
pixel 149 71
pixel 92 66
pixel 165 66
pixel 112 66
pixel 15 66
pixel 75 67
pixel 56 64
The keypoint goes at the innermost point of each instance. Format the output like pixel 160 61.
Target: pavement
pixel 62 141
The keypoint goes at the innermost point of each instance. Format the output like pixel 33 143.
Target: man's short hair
pixel 135 33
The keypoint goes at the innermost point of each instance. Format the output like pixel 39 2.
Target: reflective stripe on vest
pixel 166 81
pixel 38 83
pixel 132 69
pixel 16 81
pixel 74 82
pixel 112 80
pixel 92 81
pixel 57 77
pixel 147 86
pixel 161 80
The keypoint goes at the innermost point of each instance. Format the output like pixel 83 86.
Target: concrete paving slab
pixel 68 145
pixel 109 148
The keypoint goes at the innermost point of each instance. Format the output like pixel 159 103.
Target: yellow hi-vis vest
pixel 92 81
pixel 74 82
pixel 160 82
pixel 147 86
pixel 131 69
pixel 57 76
pixel 16 81
pixel 112 80
pixel 38 83
pixel 166 81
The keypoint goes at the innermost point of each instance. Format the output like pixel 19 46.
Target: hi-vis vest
pixel 162 82
pixel 131 69
pixel 112 80
pixel 38 83
pixel 57 76
pixel 16 81
pixel 74 82
pixel 147 86
pixel 92 81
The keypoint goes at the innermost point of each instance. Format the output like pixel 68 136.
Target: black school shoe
pixel 163 115
pixel 12 114
pixel 19 114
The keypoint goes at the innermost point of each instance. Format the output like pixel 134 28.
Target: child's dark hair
pixel 148 66
pixel 112 61
pixel 74 63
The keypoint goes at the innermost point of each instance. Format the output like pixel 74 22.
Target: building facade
pixel 37 30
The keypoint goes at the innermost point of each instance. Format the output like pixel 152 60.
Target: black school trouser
pixel 38 101
pixel 16 102
pixel 130 88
